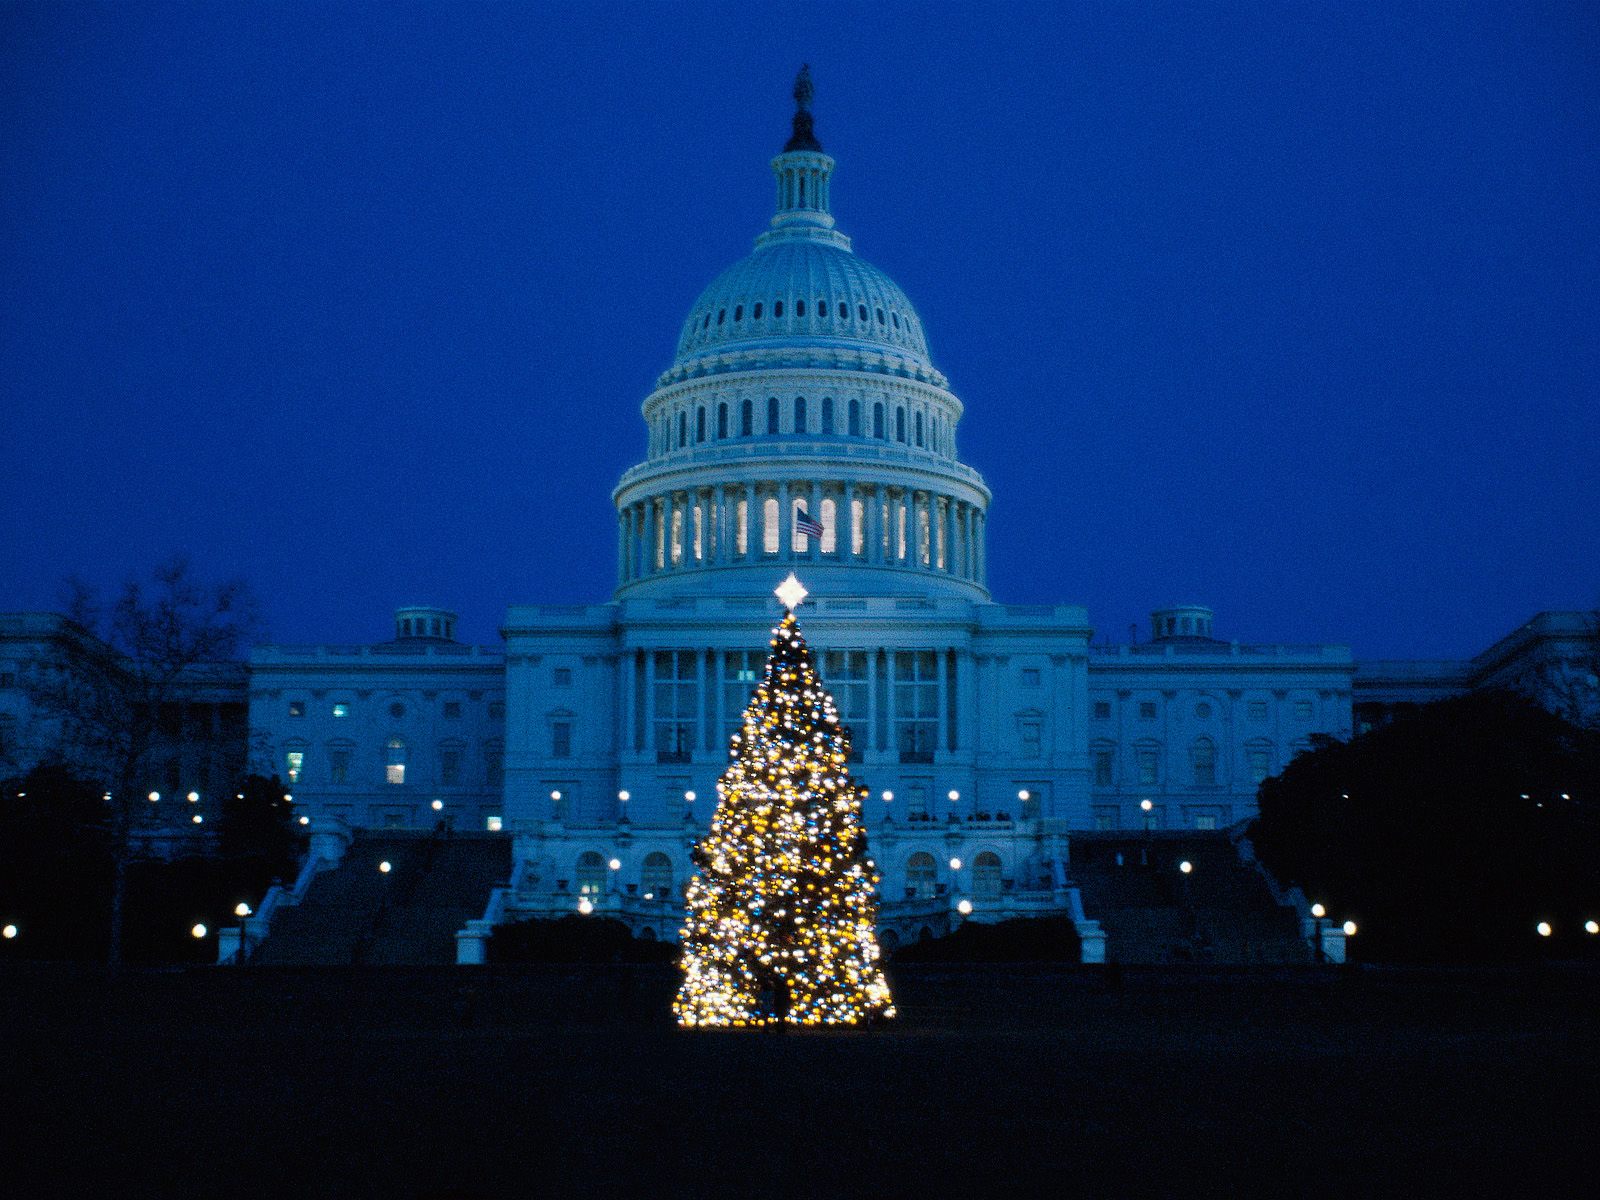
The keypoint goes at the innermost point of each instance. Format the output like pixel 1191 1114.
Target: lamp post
pixel 1317 913
pixel 1144 855
pixel 242 955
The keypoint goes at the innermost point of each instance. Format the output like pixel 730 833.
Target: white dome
pixel 803 293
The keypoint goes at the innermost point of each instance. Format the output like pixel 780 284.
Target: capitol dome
pixel 801 423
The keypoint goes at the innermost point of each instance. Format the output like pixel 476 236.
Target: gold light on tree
pixel 783 904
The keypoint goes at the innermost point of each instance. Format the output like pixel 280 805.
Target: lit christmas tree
pixel 782 910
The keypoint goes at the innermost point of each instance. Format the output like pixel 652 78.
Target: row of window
pixel 450 709
pixel 874 707
pixel 822 310
pixel 451 761
pixel 1148 756
pixel 915 426
pixel 930 531
pixel 1255 710
pixel 1110 817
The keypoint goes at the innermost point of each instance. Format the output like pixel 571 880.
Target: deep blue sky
pixel 1293 309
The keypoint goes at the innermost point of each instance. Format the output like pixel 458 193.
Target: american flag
pixel 804 524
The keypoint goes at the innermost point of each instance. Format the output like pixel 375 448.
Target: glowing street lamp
pixel 1543 929
pixel 10 932
pixel 585 906
pixel 1317 913
pixel 1349 929
pixel 385 866
pixel 1591 926
pixel 615 864
pixel 197 931
pixel 964 908
pixel 955 864
pixel 305 820
pixel 241 955
pixel 1186 866
pixel 437 806
pixel 154 797
pixel 194 797
pixel 197 819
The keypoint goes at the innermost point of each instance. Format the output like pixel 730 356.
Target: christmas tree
pixel 782 908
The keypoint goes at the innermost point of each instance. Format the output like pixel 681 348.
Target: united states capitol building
pixel 803 396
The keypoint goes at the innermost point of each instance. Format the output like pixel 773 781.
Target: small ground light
pixel 305 820
pixel 624 796
pixel 689 796
pixel 964 908
pixel 1591 926
pixel 437 805
pixel 615 864
pixel 585 906
pixel 1186 866
pixel 1544 929
pixel 198 819
pixel 955 864
pixel 154 796
pixel 1349 929
pixel 198 931
pixel 241 909
pixel 194 797
pixel 1318 911
pixel 555 795
pixel 385 866
pixel 952 795
pixel 287 798
pixel 1023 794
pixel 888 797
pixel 1146 805
pixel 10 931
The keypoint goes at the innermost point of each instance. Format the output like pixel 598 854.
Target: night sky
pixel 1289 309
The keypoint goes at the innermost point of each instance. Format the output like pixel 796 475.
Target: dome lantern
pixel 803 173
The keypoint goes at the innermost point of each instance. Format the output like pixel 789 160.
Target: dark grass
pixel 1028 1081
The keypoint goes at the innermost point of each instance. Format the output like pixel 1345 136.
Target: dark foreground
pixel 529 1081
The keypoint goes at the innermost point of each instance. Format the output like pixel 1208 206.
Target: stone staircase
pixel 1221 912
pixel 356 913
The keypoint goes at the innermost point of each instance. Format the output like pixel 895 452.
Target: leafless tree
pixel 110 676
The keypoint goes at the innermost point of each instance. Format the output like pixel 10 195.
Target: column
pixel 950 535
pixel 751 549
pixel 814 507
pixel 622 546
pixel 650 520
pixel 982 556
pixel 785 522
pixel 874 519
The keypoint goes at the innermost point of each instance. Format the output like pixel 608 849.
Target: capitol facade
pixel 802 426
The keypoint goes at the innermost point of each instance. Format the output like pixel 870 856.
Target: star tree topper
pixel 791 591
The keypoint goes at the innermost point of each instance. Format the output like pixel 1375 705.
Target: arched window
pixel 769 525
pixel 822 307
pixel 799 414
pixel 919 428
pixel 747 418
pixel 738 313
pixel 880 316
pixel 986 876
pixel 294 760
pixel 772 414
pixel 799 308
pixel 827 414
pixel 721 313
pixel 877 419
pixel 844 311
pixel 676 535
pixel 683 430
pixel 700 424
pixel 855 418
pixel 655 876
pixel 722 419
pixel 1203 758
pixel 1258 757
pixel 706 324
pixel 755 314
pixel 900 424
pixel 800 541
pixel 920 876
pixel 888 941
pixel 591 873
pixel 858 527
pixel 828 543
pixel 894 318
pixel 777 308
pixel 395 761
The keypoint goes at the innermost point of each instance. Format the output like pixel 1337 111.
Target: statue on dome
pixel 803 138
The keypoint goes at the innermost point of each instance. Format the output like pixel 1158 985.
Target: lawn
pixel 522 1082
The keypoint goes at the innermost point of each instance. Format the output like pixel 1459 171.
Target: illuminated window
pixel 591 874
pixel 828 543
pixel 800 541
pixel 858 528
pixel 341 710
pixel 293 761
pixel 741 671
pixel 769 526
pixel 676 538
pixel 1205 821
pixel 297 708
pixel 741 526
pixel 395 761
